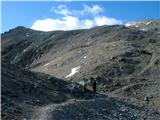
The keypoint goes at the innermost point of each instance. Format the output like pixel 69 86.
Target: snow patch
pixel 85 57
pixel 148 23
pixel 136 24
pixel 46 64
pixel 131 25
pixel 73 71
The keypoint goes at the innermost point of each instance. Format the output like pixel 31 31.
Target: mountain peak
pixel 20 28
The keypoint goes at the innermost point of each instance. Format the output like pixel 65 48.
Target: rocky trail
pixel 100 107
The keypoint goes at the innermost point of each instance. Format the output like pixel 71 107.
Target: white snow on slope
pixel 85 57
pixel 136 24
pixel 73 71
pixel 131 24
pixel 148 23
pixel 46 64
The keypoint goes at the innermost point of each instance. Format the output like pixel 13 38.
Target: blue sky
pixel 47 16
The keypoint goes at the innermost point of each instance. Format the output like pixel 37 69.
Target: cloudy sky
pixel 48 16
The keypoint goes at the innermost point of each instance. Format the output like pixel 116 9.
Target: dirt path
pixel 152 61
pixel 44 113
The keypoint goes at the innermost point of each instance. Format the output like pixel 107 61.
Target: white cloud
pixel 88 23
pixel 71 19
pixel 93 10
pixel 44 25
pixel 71 23
pixel 66 23
pixel 61 9
pixel 106 21
pixel 64 10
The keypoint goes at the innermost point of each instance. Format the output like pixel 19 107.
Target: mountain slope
pixel 27 95
pixel 23 90
pixel 125 60
pixel 56 53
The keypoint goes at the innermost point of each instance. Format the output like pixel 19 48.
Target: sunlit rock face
pixel 144 25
